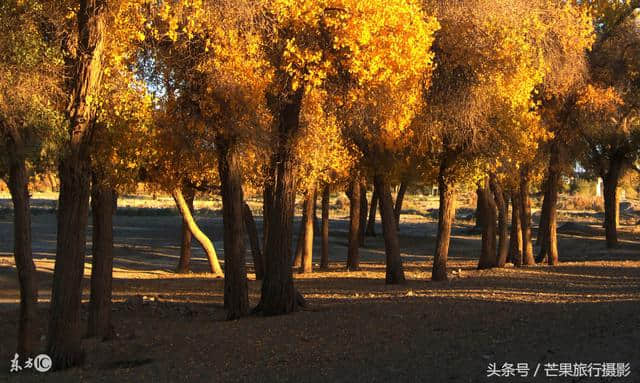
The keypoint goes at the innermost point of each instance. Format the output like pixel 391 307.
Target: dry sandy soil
pixel 171 327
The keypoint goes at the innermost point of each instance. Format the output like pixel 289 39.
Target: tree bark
pixel 503 224
pixel 22 252
pixel 279 295
pixel 446 213
pixel 544 219
pixel 362 227
pixel 399 199
pixel 307 251
pixel 525 219
pixel 201 237
pixel 548 227
pixel 267 203
pixel 297 258
pixel 489 230
pixel 515 236
pixel 353 255
pixel 64 340
pixel 236 295
pixel 254 241
pixel 100 324
pixel 371 223
pixel 324 258
pixel 479 216
pixel 185 244
pixel 394 269
pixel 610 182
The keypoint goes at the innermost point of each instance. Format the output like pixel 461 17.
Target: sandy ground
pixel 171 327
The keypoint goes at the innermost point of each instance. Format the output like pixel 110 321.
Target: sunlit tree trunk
pixel 610 182
pixel 297 258
pixel 515 235
pixel 544 220
pixel 399 200
pixel 488 253
pixel 254 241
pixel 362 227
pixel 102 258
pixel 201 237
pixel 503 224
pixel 324 257
pixel 549 240
pixel 307 248
pixel 63 342
pixel 525 219
pixel 185 244
pixel 446 213
pixel 353 255
pixel 394 269
pixel 371 223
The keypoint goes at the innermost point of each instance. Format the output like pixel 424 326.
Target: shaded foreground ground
pixel 170 327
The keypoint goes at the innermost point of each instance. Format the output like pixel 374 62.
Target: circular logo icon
pixel 42 363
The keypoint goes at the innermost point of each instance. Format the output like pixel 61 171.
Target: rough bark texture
pixel 324 257
pixel 544 219
pixel 63 342
pixel 479 205
pixel 254 241
pixel 278 295
pixel 525 219
pixel 297 257
pixel 363 213
pixel 22 252
pixel 399 199
pixel 371 223
pixel 307 246
pixel 610 185
pixel 102 259
pixel 515 235
pixel 236 295
pixel 184 264
pixel 446 213
pixel 394 270
pixel 548 226
pixel 503 224
pixel 201 237
pixel 267 203
pixel 489 230
pixel 353 255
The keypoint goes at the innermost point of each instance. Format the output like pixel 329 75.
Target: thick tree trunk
pixel 395 271
pixel 399 199
pixel 236 295
pixel 548 227
pixel 371 223
pixel 525 219
pixel 254 241
pixel 503 222
pixel 267 203
pixel 279 295
pixel 201 237
pixel 185 244
pixel 102 259
pixel 18 186
pixel 611 206
pixel 446 213
pixel 363 214
pixel 307 248
pixel 544 220
pixel 515 235
pixel 353 255
pixel 489 230
pixel 64 346
pixel 324 257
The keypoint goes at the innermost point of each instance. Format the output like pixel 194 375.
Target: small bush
pixel 581 202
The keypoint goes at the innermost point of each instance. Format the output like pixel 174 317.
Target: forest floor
pixel 171 327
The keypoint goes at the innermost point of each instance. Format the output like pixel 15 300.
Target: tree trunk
pixel 102 259
pixel 201 237
pixel 515 236
pixel 236 295
pixel 307 248
pixel 544 220
pixel 324 258
pixel 19 188
pixel 185 244
pixel 279 295
pixel 525 219
pixel 267 203
pixel 503 224
pixel 64 345
pixel 611 206
pixel 479 205
pixel 371 223
pixel 395 271
pixel 353 255
pixel 446 213
pixel 399 199
pixel 489 230
pixel 548 227
pixel 297 258
pixel 362 227
pixel 254 241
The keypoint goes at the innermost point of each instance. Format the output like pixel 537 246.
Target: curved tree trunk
pixel 394 269
pixel 324 257
pixel 279 295
pixel 503 224
pixel 611 206
pixel 371 223
pixel 102 259
pixel 525 219
pixel 515 236
pixel 549 244
pixel 185 244
pixel 446 213
pixel 399 199
pixel 307 247
pixel 64 339
pixel 236 294
pixel 254 241
pixel 19 188
pixel 353 256
pixel 489 230
pixel 364 208
pixel 201 237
